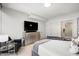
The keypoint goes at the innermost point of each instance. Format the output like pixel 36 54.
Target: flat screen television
pixel 30 26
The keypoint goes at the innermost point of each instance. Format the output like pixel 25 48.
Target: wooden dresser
pixel 31 37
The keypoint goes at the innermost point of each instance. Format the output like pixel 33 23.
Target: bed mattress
pixel 55 48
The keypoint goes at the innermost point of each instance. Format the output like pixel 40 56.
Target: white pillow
pixel 74 49
pixel 74 46
pixel 3 38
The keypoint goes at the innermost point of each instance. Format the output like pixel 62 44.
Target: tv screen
pixel 30 26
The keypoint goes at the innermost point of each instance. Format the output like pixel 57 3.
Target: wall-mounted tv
pixel 30 26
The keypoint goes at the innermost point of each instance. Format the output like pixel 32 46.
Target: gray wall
pixel 53 26
pixel 13 23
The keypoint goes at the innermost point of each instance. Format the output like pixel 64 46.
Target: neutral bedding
pixel 49 47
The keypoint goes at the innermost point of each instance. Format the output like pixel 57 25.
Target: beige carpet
pixel 26 50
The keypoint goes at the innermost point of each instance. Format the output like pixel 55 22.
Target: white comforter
pixel 55 48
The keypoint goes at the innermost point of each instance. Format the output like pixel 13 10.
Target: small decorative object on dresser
pixel 31 37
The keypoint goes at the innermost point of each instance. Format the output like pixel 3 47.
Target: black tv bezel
pixel 30 30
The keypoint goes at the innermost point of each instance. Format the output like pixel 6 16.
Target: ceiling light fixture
pixel 47 4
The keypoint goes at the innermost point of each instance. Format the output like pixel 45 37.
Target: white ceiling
pixel 55 9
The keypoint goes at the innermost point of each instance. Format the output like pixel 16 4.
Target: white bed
pixel 55 48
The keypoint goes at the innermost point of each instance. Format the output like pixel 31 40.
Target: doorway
pixel 66 29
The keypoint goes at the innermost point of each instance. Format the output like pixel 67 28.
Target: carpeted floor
pixel 26 50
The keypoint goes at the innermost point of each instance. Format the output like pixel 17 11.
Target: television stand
pixel 31 37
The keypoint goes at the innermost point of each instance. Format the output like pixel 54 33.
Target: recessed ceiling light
pixel 47 4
